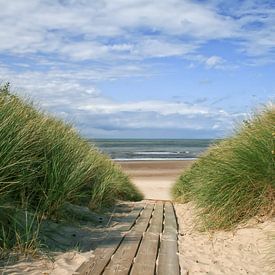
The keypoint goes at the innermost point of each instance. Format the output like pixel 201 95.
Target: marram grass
pixel 44 163
pixel 235 179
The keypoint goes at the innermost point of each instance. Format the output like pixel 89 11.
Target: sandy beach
pixel 155 178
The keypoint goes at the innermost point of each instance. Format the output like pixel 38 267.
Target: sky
pixel 141 68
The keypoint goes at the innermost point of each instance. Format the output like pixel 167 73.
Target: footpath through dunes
pixel 148 238
pixel 146 244
pixel 155 179
pixel 136 238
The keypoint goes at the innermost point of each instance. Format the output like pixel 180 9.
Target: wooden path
pixel 146 245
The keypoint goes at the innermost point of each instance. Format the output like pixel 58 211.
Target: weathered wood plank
pixel 143 221
pixel 116 254
pixel 168 261
pixel 108 246
pixel 157 219
pixel 121 261
pixel 170 222
pixel 131 219
pixel 102 256
pixel 145 262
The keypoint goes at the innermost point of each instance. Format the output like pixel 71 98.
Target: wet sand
pixel 155 178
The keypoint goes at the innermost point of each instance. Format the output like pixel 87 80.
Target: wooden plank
pixel 157 219
pixel 143 221
pixel 168 261
pixel 121 261
pixel 145 261
pixel 170 221
pixel 131 219
pixel 108 246
pixel 102 256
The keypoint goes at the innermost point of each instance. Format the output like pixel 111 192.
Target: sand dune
pixel 246 250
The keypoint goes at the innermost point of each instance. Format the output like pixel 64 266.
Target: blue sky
pixel 141 68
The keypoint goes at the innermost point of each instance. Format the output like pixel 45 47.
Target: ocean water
pixel 152 149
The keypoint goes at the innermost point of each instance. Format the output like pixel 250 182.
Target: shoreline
pixel 153 159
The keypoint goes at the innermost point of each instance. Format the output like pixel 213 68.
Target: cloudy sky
pixel 141 68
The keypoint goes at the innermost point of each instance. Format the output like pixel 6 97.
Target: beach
pixel 155 178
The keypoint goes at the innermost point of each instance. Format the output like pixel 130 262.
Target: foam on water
pixel 152 149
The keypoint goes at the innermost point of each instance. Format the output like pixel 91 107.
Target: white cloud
pixel 158 48
pixel 114 30
pixel 160 107
pixel 86 107
pixel 110 115
pixel 214 61
pixel 210 62
pixel 75 79
pixel 256 27
pixel 76 28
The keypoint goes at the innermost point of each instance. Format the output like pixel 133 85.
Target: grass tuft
pixel 235 179
pixel 44 163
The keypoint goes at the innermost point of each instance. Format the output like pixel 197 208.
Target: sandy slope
pixel 83 233
pixel 246 250
pixel 63 264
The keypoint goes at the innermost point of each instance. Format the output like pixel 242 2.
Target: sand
pixel 242 251
pixel 63 264
pixel 85 230
pixel 246 250
pixel 155 178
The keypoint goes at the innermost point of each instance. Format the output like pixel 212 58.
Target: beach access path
pixel 155 179
pixel 147 243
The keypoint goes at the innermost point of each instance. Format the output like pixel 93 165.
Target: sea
pixel 152 149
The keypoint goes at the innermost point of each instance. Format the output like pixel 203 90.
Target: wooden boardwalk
pixel 146 245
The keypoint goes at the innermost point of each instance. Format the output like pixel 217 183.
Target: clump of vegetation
pixel 44 164
pixel 235 179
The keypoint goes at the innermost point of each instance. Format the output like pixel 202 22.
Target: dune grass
pixel 44 163
pixel 235 179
